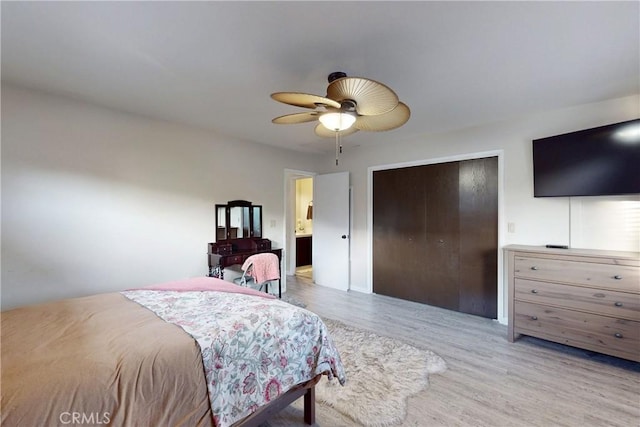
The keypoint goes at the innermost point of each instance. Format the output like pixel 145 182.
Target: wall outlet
pixel 273 223
pixel 511 227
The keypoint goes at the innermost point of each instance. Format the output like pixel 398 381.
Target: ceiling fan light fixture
pixel 337 121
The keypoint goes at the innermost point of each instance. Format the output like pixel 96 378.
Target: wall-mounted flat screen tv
pixel 592 162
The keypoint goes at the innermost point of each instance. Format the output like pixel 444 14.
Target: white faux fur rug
pixel 382 373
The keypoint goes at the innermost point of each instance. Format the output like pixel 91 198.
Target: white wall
pixel 537 221
pixel 96 200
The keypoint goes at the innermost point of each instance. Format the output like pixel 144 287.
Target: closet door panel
pixel 398 233
pixel 479 237
pixel 440 260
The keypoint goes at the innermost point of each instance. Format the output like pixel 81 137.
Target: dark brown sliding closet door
pixel 401 230
pixel 435 235
pixel 479 237
pixel 440 258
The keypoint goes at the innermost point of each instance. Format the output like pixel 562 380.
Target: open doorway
pixel 329 226
pixel 298 197
pixel 304 227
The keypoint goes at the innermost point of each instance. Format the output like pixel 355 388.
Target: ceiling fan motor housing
pixel 348 105
pixel 336 75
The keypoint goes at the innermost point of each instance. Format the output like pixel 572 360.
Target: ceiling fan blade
pixel 291 119
pixel 387 121
pixel 323 132
pixel 371 97
pixel 305 100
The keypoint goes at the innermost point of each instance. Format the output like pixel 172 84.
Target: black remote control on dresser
pixel 558 246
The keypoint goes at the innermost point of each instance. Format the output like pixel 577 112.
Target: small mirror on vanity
pixel 257 221
pixel 238 224
pixel 221 222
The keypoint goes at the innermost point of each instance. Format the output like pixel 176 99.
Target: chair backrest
pixel 263 267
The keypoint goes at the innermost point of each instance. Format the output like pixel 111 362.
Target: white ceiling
pixel 214 64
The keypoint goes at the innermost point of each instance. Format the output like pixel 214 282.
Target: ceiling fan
pixel 352 104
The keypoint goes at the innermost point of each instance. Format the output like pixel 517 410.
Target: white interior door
pixel 331 229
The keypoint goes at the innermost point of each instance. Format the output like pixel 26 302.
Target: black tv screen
pixel 592 162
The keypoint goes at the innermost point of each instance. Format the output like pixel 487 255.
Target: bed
pixel 199 352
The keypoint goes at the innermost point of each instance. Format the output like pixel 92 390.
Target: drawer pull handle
pixel 617 277
pixel 534 291
pixel 617 335
pixel 534 317
pixel 534 268
pixel 618 304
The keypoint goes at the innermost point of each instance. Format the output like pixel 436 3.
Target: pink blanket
pixel 262 267
pixel 204 284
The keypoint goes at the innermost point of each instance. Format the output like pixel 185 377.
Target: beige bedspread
pixel 98 359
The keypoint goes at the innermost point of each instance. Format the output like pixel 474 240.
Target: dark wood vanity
pixel 238 236
pixel 303 250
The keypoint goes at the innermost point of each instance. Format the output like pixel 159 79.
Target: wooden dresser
pixel 578 297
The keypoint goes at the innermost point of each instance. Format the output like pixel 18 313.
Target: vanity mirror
pixel 238 219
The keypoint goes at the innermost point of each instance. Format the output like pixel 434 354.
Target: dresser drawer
pixel 599 333
pixel 605 276
pixel 233 259
pixel 597 301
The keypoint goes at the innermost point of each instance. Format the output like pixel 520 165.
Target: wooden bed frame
pixel 266 412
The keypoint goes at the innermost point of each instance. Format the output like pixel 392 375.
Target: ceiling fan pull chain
pixel 337 136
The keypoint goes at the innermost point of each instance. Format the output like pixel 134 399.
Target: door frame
pixel 289 235
pixel 502 296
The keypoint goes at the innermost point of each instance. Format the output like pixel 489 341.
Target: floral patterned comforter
pixel 253 349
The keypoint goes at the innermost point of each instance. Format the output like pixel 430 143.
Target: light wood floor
pixel 489 381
